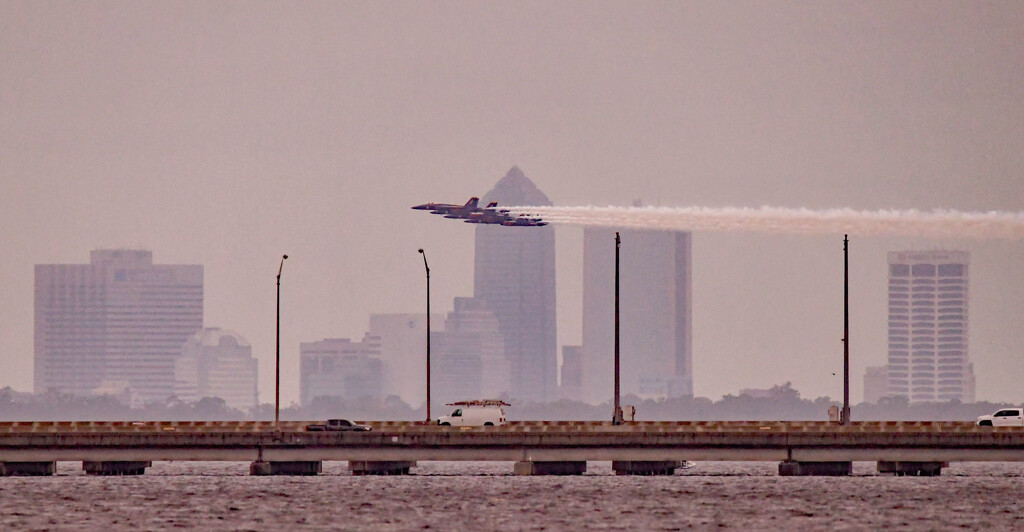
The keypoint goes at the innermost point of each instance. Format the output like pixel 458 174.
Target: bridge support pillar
pixel 27 469
pixel 115 468
pixel 262 468
pixel 363 467
pixel 915 469
pixel 528 467
pixel 625 467
pixel 792 468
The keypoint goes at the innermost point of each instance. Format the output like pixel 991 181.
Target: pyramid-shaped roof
pixel 516 189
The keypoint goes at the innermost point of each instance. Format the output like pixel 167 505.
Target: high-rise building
pixel 469 359
pixel 928 326
pixel 339 367
pixel 655 314
pixel 403 353
pixel 116 323
pixel 217 363
pixel 876 383
pixel 571 383
pixel 515 275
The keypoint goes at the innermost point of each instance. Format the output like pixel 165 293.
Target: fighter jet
pixel 523 221
pixel 472 214
pixel 446 209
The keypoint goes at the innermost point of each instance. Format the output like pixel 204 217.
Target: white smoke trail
pixel 929 224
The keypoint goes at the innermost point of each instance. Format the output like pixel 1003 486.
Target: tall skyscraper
pixel 216 362
pixel 655 314
pixel 339 367
pixel 116 323
pixel 928 326
pixel 515 276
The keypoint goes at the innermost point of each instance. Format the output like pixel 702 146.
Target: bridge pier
pixel 115 468
pixel 633 467
pixel 792 468
pixel 264 468
pixel 529 467
pixel 364 467
pixel 915 469
pixel 27 469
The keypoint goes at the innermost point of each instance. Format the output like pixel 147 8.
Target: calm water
pixel 485 496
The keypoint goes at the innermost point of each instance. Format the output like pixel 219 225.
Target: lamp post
pixel 277 376
pixel 617 414
pixel 846 330
pixel 427 268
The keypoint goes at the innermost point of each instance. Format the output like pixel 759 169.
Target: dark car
pixel 337 424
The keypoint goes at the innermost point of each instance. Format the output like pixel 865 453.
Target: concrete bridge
pixel 561 447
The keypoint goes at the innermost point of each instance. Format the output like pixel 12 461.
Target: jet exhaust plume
pixel 780 220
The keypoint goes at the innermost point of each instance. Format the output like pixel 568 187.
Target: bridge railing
pixel 514 426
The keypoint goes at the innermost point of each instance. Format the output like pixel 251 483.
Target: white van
pixel 480 413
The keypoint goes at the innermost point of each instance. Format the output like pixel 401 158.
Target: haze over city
pixel 229 134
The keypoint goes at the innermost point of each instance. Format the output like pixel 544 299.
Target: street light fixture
pixel 427 268
pixel 277 379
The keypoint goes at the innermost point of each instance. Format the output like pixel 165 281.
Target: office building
pixel 571 381
pixel 403 353
pixel 655 314
pixel 468 358
pixel 339 367
pixel 217 363
pixel 515 276
pixel 928 327
pixel 117 323
pixel 876 383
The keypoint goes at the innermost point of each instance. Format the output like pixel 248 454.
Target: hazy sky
pixel 228 133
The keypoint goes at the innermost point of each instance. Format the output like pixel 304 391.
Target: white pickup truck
pixel 1007 417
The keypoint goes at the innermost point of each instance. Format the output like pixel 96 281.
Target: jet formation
pixel 471 213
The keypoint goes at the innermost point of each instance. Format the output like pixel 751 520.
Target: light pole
pixel 846 330
pixel 427 268
pixel 617 414
pixel 277 376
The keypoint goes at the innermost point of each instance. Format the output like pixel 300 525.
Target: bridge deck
pixel 921 441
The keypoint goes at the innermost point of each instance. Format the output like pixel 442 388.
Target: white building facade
pixel 928 326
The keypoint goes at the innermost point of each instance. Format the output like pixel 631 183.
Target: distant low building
pixel 757 393
pixel 216 362
pixel 339 367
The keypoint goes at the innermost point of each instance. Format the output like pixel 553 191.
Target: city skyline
pixel 228 136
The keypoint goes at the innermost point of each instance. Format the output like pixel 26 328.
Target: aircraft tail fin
pixel 472 203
